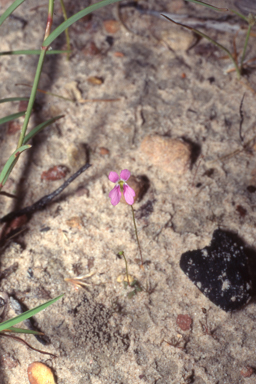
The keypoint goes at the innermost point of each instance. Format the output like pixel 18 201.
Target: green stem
pixel 245 46
pixel 136 233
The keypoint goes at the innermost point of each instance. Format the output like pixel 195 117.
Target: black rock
pixel 220 271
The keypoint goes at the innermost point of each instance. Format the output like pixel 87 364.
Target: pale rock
pixel 171 155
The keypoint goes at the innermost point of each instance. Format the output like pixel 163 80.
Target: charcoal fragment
pixel 220 271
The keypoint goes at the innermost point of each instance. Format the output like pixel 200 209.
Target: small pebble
pixel 178 39
pixel 184 322
pixel 103 151
pixel 82 191
pixel 139 185
pixel 171 155
pixel 91 49
pixel 94 80
pixel 111 26
pixel 220 271
pixel 75 222
pixel 247 371
pixel 39 373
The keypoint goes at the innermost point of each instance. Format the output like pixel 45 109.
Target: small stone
pixel 119 54
pixel 139 185
pixel 184 322
pixel 111 26
pixel 82 191
pixel 220 271
pixel 39 373
pixel 75 222
pixel 104 151
pixel 247 371
pixel 178 39
pixel 95 80
pixel 251 188
pixel 91 49
pixel 171 155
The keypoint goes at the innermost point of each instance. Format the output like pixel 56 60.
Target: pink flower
pixel 121 187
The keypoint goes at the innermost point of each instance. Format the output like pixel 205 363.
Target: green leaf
pixel 39 128
pixel 208 5
pixel 33 52
pixel 11 117
pixel 10 164
pixel 9 323
pixel 21 330
pixel 61 28
pixel 13 99
pixel 10 10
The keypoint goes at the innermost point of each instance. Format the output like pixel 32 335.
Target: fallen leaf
pixel 55 173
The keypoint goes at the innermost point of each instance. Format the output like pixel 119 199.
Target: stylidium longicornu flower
pixel 121 187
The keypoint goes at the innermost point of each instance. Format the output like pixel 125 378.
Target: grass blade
pixel 11 117
pixel 9 323
pixel 61 28
pixel 21 330
pixel 66 30
pixel 10 164
pixel 33 52
pixel 13 99
pixel 39 128
pixel 211 40
pixel 10 10
pixel 208 5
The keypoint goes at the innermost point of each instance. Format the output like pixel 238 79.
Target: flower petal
pixel 115 195
pixel 129 194
pixel 125 174
pixel 113 176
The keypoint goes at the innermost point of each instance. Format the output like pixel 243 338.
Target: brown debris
pixel 55 173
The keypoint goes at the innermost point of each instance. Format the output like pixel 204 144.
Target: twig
pixel 27 344
pixel 40 204
pixel 242 119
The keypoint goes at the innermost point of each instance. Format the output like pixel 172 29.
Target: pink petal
pixel 125 174
pixel 129 194
pixel 115 195
pixel 113 176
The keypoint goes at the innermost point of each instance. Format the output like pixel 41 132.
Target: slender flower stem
pixel 136 233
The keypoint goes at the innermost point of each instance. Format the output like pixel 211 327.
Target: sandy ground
pixel 100 335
